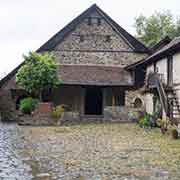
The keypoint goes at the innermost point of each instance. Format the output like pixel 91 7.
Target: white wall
pixel 150 68
pixel 176 68
pixel 176 73
pixel 162 68
pixel 149 103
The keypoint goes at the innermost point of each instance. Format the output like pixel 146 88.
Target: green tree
pixel 38 73
pixel 150 30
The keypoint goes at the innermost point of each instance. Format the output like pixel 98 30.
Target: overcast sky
pixel 26 24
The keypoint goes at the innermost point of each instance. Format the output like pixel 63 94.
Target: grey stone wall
pixel 122 114
pixel 101 58
pixel 94 49
pixel 131 95
pixel 7 102
pixel 7 105
pixel 94 37
pixel 38 120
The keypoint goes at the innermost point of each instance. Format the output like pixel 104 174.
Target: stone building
pixel 92 52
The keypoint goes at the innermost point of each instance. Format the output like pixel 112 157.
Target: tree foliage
pixel 150 30
pixel 38 73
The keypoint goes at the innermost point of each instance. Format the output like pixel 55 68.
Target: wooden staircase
pixel 174 104
pixel 170 102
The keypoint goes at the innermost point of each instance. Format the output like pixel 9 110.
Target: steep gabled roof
pixel 160 44
pixel 164 48
pixel 59 37
pixel 11 74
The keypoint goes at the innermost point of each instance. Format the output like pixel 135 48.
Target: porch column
pixel 113 100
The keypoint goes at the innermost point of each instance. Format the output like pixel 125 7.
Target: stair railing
pixel 156 80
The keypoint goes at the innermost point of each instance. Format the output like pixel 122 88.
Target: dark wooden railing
pixel 152 77
pixel 156 80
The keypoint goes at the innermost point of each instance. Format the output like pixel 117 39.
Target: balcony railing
pixel 151 79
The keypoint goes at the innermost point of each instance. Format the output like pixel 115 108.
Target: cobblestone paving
pixel 87 152
pixel 11 164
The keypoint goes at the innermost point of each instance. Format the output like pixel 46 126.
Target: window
pixel 120 99
pixel 81 38
pixel 138 103
pixel 98 21
pixel 89 21
pixel 108 38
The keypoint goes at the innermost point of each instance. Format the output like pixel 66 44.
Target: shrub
pixel 27 105
pixel 146 121
pixel 57 112
pixel 174 133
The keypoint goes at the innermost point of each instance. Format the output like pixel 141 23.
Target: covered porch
pixel 89 101
pixel 93 91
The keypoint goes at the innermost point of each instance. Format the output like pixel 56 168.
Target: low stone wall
pixel 47 120
pixel 38 120
pixel 122 114
pixel 111 114
pixel 70 117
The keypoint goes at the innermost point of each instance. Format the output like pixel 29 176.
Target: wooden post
pixel 113 100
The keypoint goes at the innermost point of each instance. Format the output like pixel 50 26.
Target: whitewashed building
pixel 162 82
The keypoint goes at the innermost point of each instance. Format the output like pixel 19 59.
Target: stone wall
pixel 94 37
pixel 176 69
pixel 121 59
pixel 95 49
pixel 122 114
pixel 131 96
pixel 7 102
pixel 7 106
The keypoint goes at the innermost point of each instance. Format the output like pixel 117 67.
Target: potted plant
pixel 174 133
pixel 56 113
pixel 163 124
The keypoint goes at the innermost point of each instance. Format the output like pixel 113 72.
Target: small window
pixel 108 38
pixel 89 21
pixel 138 103
pixel 98 21
pixel 120 99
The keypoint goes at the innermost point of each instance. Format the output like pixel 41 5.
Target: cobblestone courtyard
pixel 87 152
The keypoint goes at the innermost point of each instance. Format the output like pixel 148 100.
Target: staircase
pixel 175 106
pixel 170 104
pixel 162 94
